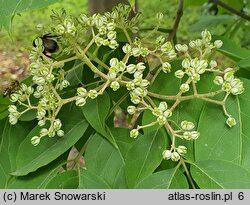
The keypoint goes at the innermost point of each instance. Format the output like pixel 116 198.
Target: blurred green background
pixel 197 16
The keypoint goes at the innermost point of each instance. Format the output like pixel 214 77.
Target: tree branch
pixel 179 14
pixel 225 6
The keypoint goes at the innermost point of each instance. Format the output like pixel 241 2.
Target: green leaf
pixel 65 180
pixel 217 140
pixel 4 103
pixel 30 158
pixel 244 63
pixel 89 180
pixel 144 156
pixel 38 179
pixel 9 8
pixel 106 162
pixel 216 174
pixel 231 49
pixel 11 137
pixel 207 21
pixel 96 112
pixel 166 179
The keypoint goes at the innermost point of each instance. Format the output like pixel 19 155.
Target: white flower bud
pixel 113 44
pixel 41 113
pixel 166 47
pixel 81 92
pixel 130 86
pixel 166 67
pixel 195 77
pixel 121 66
pixel 131 68
pixel 14 97
pixel 30 90
pixel 134 133
pixel 185 63
pixel 140 66
pixel 156 111
pixel 163 106
pixel 111 35
pixel 65 83
pixel 13 119
pixel 192 44
pixel 159 16
pixel 114 62
pixel 12 109
pixel 187 135
pixel 206 35
pixel 93 94
pixel 168 113
pixel 226 87
pixel 135 99
pixel 175 156
pixel 80 101
pixel 161 119
pixel 181 150
pixel 184 87
pixel 43 132
pixel 115 85
pixel 50 77
pixel 60 133
pixel 131 109
pixel 178 47
pixel 195 135
pixel 229 70
pixel 229 76
pixel 51 133
pixel 35 140
pixel 136 52
pixel 213 63
pixel 138 75
pixel 179 74
pixel 144 83
pixel 57 124
pixel 41 123
pixel 166 154
pixel 98 41
pixel 38 80
pixel 231 121
pixel 185 125
pixel 218 80
pixel 126 48
pixel 218 43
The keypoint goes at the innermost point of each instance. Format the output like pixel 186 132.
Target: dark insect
pixel 12 87
pixel 49 44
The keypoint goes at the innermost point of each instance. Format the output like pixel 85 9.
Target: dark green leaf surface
pixel 166 179
pixel 144 156
pixel 9 8
pixel 96 111
pixel 30 158
pixel 218 174
pixel 105 161
pixel 64 180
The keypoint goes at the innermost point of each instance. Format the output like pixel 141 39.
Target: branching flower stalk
pixel 50 78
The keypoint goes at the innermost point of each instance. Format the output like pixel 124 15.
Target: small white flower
pixel 134 133
pixel 162 120
pixel 175 156
pixel 127 48
pixel 81 92
pixel 130 86
pixel 43 132
pixel 159 16
pixel 166 67
pixel 218 43
pixel 186 125
pixel 206 35
pixel 185 63
pixel 179 74
pixel 57 124
pixel 168 113
pixel 115 85
pixel 184 87
pixel 163 106
pixel 218 80
pixel 213 63
pixel 131 68
pixel 60 133
pixel 35 140
pixel 80 101
pixel 231 121
pixel 131 109
pixel 181 150
pixel 166 154
pixel 114 62
pixel 93 94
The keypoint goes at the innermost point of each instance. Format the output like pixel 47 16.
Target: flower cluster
pixel 49 76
